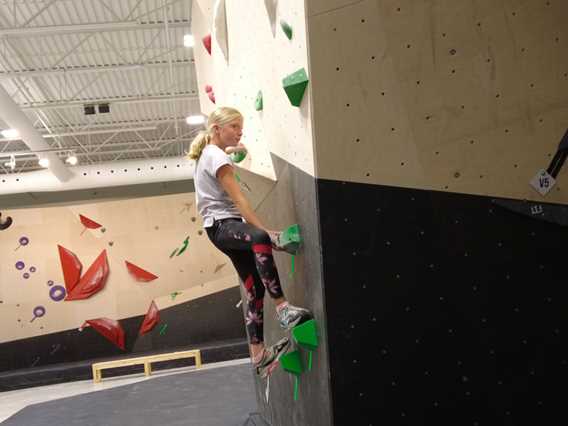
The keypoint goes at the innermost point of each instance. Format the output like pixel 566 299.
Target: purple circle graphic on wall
pixel 57 293
pixel 26 275
pixel 33 269
pixel 50 283
pixel 20 265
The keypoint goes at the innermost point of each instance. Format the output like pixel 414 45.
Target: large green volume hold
pixel 292 363
pixel 306 335
pixel 295 86
pixel 290 239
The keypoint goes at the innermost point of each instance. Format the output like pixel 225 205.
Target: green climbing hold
pixel 238 156
pixel 163 329
pixel 286 28
pixel 295 85
pixel 306 335
pixel 184 247
pixel 258 104
pixel 290 239
pixel 292 363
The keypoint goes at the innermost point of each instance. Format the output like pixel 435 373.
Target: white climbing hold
pixel 220 27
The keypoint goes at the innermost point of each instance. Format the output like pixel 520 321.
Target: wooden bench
pixel 146 360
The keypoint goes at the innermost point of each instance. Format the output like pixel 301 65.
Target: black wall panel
pixel 212 318
pixel 442 309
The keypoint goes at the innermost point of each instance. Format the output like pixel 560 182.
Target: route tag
pixel 542 182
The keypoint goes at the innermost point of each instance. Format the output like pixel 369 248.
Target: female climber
pixel 235 229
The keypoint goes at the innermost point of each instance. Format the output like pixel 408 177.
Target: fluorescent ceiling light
pixel 44 162
pixel 194 120
pixel 188 40
pixel 10 133
pixel 72 159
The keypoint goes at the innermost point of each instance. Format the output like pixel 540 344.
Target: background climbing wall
pixel 280 141
pixel 445 303
pixel 260 56
pixel 465 96
pixel 149 232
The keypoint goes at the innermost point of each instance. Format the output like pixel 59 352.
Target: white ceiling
pixel 58 55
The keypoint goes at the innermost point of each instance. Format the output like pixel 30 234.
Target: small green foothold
pixel 258 104
pixel 185 244
pixel 237 177
pixel 306 335
pixel 286 28
pixel 239 156
pixel 292 363
pixel 290 239
pixel 295 85
pixel 175 294
pixel 163 329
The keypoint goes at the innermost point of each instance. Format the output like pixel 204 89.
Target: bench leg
pixel 97 375
pixel 147 369
pixel 198 360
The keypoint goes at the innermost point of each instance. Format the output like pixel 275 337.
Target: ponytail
pixel 220 117
pixel 198 144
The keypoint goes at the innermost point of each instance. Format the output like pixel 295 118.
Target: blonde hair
pixel 220 117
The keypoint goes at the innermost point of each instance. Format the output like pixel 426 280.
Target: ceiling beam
pixel 16 119
pixel 88 28
pixel 65 71
pixel 117 100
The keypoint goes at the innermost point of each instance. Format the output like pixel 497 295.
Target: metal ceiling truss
pixel 57 57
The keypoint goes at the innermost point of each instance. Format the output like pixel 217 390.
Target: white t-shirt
pixel 213 202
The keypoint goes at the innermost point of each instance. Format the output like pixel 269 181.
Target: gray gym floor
pixel 221 396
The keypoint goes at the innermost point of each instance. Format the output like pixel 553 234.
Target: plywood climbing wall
pixel 452 95
pixel 259 56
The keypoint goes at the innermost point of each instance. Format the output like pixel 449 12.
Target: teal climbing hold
pixel 258 103
pixel 295 86
pixel 286 28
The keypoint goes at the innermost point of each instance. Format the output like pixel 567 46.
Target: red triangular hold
pixel 208 88
pixel 88 223
pixel 92 281
pixel 151 319
pixel 71 268
pixel 207 43
pixel 211 96
pixel 110 329
pixel 139 274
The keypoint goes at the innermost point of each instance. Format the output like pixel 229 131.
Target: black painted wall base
pixel 196 323
pixel 442 309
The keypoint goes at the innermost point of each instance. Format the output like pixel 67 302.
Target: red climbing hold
pixel 110 329
pixel 71 268
pixel 150 320
pixel 211 96
pixel 139 274
pixel 207 43
pixel 208 88
pixel 88 223
pixel 92 281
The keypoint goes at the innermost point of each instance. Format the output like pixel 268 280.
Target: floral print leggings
pixel 250 250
